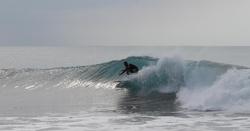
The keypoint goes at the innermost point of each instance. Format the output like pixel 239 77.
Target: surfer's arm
pixel 123 71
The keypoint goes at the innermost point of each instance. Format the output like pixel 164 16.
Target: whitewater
pixel 168 93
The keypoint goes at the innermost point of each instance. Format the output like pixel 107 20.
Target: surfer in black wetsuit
pixel 129 68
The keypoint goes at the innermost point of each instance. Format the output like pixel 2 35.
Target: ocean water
pixel 80 89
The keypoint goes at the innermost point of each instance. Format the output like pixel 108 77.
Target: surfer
pixel 129 68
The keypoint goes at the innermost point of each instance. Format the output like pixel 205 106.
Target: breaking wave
pixel 199 85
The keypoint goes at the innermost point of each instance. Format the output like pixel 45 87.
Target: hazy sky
pixel 124 22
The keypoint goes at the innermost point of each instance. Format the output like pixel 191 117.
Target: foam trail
pixel 230 92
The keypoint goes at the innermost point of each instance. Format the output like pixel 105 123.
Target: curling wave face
pixel 199 85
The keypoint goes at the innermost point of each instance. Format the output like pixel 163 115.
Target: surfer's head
pixel 125 63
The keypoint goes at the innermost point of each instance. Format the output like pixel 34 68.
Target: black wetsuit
pixel 130 69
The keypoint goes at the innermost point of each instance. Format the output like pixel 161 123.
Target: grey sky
pixel 124 22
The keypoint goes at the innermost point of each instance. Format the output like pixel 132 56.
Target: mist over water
pixel 177 88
